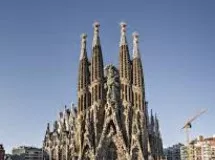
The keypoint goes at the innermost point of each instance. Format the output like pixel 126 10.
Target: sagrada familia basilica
pixel 111 120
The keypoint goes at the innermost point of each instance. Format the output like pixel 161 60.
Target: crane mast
pixel 186 127
pixel 188 124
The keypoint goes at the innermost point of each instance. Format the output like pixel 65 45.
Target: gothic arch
pixel 111 126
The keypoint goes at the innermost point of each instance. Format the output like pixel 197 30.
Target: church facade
pixel 111 120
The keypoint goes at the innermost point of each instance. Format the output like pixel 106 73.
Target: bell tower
pixel 83 90
pixel 125 81
pixel 139 126
pixel 97 83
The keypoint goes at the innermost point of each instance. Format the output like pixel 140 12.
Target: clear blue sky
pixel 39 53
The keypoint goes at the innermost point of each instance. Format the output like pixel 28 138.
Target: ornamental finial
pixel 123 26
pixel 96 39
pixel 136 52
pixel 83 45
pixel 123 40
pixel 96 25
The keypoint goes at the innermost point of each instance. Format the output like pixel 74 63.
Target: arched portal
pixel 111 153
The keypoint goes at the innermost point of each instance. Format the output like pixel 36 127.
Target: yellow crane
pixel 188 124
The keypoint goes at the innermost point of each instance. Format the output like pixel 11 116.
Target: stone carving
pixel 56 126
pixel 110 121
pixel 112 84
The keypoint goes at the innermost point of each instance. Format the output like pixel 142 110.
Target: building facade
pixel 26 153
pixel 2 152
pixel 111 120
pixel 199 149
pixel 173 152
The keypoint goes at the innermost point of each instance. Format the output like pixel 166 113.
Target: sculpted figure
pixel 112 84
pixel 56 126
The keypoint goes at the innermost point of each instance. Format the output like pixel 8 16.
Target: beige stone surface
pixel 111 119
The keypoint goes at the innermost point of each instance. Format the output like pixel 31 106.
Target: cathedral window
pixel 85 101
pixel 95 92
pixel 126 92
pixel 121 66
pixel 140 101
pixel 94 96
pixel 89 99
pixel 130 94
pixel 100 91
pixel 81 102
pixel 92 71
pixel 136 99
pixel 136 74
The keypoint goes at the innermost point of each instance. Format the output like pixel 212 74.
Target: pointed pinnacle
pixel 83 45
pixel 155 115
pixel 96 39
pixel 72 105
pixel 123 40
pixel 136 51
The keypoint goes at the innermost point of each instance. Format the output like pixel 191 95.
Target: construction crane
pixel 188 125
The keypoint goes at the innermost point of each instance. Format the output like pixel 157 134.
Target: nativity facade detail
pixel 110 120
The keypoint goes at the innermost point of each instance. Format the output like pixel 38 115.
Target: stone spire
pixel 97 59
pixel 156 123
pixel 96 39
pixel 157 126
pixel 83 91
pixel 152 121
pixel 125 82
pixel 139 103
pixel 97 83
pixel 84 74
pixel 48 129
pixel 124 57
pixel 83 46
pixel 158 140
pixel 138 76
pixel 136 52
pixel 123 40
pixel 83 77
pixel 110 120
pixel 147 114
